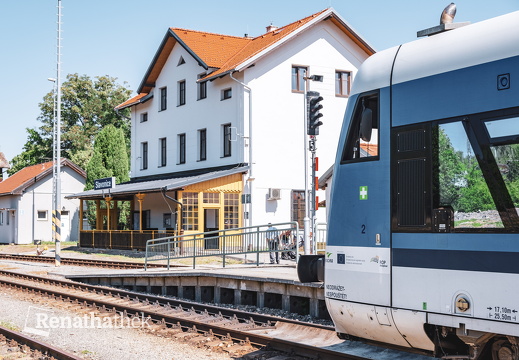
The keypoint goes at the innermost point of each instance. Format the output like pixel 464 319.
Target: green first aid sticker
pixel 363 193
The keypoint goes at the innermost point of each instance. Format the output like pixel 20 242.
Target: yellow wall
pixel 226 184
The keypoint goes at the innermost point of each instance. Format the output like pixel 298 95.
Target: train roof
pixel 474 44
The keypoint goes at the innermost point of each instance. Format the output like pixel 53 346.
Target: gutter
pixel 250 178
pixel 179 218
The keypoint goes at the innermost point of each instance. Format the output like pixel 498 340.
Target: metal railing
pixel 238 241
pixel 320 237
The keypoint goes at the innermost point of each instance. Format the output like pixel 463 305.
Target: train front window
pixel 362 139
pixel 502 128
pixel 459 182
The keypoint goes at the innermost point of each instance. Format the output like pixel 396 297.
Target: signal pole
pixel 312 123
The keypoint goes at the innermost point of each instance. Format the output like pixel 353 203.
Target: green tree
pixel 87 105
pixel 110 158
pixel 451 170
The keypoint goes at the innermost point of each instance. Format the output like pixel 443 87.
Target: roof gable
pixel 15 184
pixel 226 53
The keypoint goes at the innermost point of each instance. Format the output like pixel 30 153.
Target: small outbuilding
pixel 26 203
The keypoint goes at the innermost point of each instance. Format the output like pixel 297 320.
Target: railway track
pixel 244 332
pixel 80 262
pixel 16 339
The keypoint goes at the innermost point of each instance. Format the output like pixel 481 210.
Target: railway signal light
pixel 313 99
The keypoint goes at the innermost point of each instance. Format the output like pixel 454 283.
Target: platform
pixel 272 286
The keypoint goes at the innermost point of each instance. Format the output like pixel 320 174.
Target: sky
pixel 120 37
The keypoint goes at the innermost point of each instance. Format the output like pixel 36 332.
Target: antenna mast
pixel 56 212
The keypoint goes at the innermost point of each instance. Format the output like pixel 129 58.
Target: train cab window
pixel 460 182
pixel 362 139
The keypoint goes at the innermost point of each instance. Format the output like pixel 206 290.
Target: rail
pixel 236 242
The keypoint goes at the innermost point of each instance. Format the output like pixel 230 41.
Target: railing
pixel 120 239
pixel 320 237
pixel 238 241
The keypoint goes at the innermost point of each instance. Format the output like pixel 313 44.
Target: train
pixel 423 228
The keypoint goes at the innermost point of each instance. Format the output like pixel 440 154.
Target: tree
pixel 87 105
pixel 110 158
pixel 451 171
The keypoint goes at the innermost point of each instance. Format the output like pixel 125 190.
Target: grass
pixel 9 325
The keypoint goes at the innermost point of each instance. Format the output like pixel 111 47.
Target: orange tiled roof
pixel 214 49
pixel 134 100
pixel 225 53
pixel 371 149
pixel 260 43
pixel 16 183
pixel 23 176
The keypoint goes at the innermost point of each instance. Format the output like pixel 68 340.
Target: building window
pixel 342 83
pixel 7 217
pixel 163 98
pixel 181 61
pixel 226 94
pixel 144 156
pixel 1 218
pixel 202 88
pixel 231 210
pixel 298 78
pixel 298 207
pixel 163 151
pixel 190 211
pixel 144 117
pixel 202 141
pixel 226 140
pixel 181 92
pixel 211 198
pixel 42 215
pixel 182 148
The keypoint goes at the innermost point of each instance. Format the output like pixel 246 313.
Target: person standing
pixel 273 240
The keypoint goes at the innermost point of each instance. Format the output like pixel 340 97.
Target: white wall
pixel 279 115
pixel 279 124
pixel 210 113
pixel 38 197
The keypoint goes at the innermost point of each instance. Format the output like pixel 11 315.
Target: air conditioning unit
pixel 274 194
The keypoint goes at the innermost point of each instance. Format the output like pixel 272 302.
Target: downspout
pixel 179 218
pixel 250 178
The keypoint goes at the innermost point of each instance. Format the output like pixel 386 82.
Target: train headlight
pixel 462 304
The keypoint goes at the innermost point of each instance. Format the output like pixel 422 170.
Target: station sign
pixel 105 183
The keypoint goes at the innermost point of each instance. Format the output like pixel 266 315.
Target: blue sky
pixel 120 37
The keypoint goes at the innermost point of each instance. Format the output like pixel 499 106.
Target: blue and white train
pixel 423 230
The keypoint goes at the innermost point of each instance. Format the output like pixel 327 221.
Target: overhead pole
pixel 56 211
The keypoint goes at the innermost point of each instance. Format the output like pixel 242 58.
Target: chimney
pixel 271 28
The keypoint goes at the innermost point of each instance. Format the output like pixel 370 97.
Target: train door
pixel 358 252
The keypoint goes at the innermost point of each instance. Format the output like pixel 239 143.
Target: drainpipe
pixel 179 218
pixel 250 179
